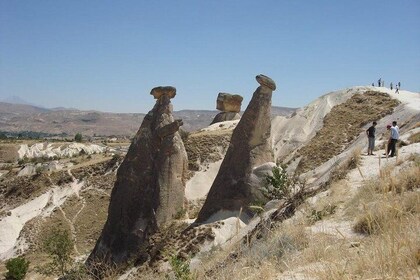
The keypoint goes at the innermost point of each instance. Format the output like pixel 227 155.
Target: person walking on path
pixel 399 84
pixel 397 89
pixel 390 85
pixel 395 135
pixel 370 132
pixel 379 82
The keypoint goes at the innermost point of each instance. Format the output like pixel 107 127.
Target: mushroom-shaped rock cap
pixel 266 81
pixel 229 102
pixel 169 91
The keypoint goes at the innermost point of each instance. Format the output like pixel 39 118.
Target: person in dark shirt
pixel 370 132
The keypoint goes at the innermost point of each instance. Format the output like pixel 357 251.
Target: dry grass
pixel 390 220
pixel 390 254
pixel 409 179
pixel 262 260
pixel 379 216
pixel 415 138
pixel 342 125
pixel 390 217
pixel 393 201
pixel 341 170
pixel 388 246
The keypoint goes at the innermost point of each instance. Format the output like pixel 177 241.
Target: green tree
pixel 278 185
pixel 59 246
pixel 17 268
pixel 78 137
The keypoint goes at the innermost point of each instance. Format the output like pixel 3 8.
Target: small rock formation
pixel 250 147
pixel 230 105
pixel 150 185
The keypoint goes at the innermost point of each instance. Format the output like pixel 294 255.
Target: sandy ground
pixel 199 185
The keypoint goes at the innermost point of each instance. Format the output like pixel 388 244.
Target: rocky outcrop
pixel 230 105
pixel 149 190
pixel 250 147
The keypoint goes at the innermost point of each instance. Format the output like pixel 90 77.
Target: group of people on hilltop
pixel 381 83
pixel 392 140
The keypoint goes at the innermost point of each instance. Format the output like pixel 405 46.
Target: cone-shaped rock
pixel 150 185
pixel 250 146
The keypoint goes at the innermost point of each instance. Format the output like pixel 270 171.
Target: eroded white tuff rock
pixel 250 147
pixel 230 105
pixel 150 185
pixel 49 150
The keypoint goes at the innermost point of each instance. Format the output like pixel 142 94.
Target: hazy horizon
pixel 19 101
pixel 107 56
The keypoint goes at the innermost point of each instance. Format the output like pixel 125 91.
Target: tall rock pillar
pixel 250 146
pixel 150 185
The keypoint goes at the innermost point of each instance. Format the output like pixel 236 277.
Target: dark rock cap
pixel 169 91
pixel 266 81
pixel 227 102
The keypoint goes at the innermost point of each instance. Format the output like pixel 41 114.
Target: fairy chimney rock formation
pixel 150 185
pixel 234 186
pixel 230 105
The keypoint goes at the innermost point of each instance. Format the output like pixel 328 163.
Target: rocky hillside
pixel 18 118
pixel 319 234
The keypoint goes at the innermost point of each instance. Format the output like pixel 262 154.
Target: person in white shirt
pixel 395 135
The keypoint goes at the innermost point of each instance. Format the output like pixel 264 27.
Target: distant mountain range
pixel 16 100
pixel 23 117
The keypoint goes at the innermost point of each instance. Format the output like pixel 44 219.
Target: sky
pixel 108 55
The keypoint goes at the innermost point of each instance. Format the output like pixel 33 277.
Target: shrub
pixel 17 268
pixel 78 137
pixel 319 215
pixel 59 246
pixel 278 185
pixel 180 267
